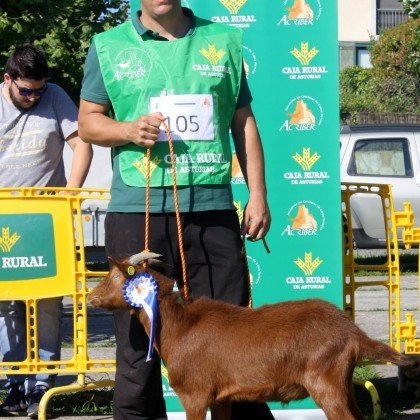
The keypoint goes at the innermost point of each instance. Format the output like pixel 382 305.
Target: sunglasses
pixel 29 92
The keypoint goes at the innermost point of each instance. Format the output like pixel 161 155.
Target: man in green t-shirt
pixel 168 65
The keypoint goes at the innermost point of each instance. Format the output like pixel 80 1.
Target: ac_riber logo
pixel 237 177
pixel 250 61
pixel 235 19
pixel 306 218
pixel 132 63
pixel 306 160
pixel 300 13
pixel 255 273
pixel 304 114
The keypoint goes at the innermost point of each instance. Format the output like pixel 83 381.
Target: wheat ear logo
pixel 308 266
pixel 233 5
pixel 306 160
pixel 304 55
pixel 212 55
pixel 141 165
pixel 239 211
pixel 6 241
pixel 164 372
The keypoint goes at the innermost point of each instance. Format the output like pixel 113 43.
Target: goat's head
pixel 108 293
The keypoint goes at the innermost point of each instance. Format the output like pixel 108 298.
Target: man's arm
pixel 97 128
pixel 251 159
pixel 82 156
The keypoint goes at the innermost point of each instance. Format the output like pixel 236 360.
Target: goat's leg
pixel 354 408
pixel 195 413
pixel 221 411
pixel 337 409
pixel 334 401
pixel 195 409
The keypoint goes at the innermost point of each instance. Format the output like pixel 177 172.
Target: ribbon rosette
pixel 140 291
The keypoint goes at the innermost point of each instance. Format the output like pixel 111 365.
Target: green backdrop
pixel 291 59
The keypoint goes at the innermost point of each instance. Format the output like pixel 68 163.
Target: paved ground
pixel 371 316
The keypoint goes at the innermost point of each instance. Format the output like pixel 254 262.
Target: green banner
pixel 290 50
pixel 26 247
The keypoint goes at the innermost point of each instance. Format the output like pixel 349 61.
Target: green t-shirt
pixel 131 199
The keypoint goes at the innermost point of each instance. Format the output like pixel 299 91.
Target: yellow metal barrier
pixel 411 236
pixel 390 267
pixel 49 221
pixel 41 256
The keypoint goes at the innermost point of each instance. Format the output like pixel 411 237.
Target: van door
pixel 385 158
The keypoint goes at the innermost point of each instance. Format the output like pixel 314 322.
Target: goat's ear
pixel 111 261
pixel 166 285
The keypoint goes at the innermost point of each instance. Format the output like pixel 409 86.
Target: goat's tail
pixel 375 350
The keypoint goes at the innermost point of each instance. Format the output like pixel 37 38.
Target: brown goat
pixel 217 353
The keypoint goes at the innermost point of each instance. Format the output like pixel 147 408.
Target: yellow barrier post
pixel 411 236
pixel 376 403
pixel 390 267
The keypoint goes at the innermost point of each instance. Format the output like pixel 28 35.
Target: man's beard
pixel 18 105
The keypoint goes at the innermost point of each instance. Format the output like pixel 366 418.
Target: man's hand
pixel 96 127
pixel 144 131
pixel 257 219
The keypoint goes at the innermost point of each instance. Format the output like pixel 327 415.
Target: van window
pixel 381 157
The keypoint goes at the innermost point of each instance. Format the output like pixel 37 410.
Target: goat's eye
pixel 131 270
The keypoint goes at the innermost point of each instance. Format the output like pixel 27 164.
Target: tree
pixel 411 7
pixel 61 29
pixel 396 53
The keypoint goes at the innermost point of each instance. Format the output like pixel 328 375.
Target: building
pixel 359 21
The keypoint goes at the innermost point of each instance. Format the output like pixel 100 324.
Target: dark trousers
pixel 216 268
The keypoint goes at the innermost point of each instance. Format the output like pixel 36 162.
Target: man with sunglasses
pixel 37 118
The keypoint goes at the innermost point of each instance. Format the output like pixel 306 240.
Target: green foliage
pixel 397 51
pixel 61 29
pixel 393 84
pixel 355 94
pixel 411 7
pixel 365 373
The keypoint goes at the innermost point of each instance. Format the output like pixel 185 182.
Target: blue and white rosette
pixel 140 291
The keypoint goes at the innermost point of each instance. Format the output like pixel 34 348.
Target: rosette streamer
pixel 140 291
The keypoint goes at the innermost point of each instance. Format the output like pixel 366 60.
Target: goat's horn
pixel 142 256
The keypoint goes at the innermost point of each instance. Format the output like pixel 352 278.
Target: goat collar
pixel 140 291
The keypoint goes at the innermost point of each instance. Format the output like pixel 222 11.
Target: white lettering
pixel 23 262
pixel 293 175
pixel 291 70
pixel 295 280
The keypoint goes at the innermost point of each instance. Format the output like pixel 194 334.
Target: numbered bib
pixel 189 117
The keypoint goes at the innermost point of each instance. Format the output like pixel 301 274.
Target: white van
pixel 380 155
